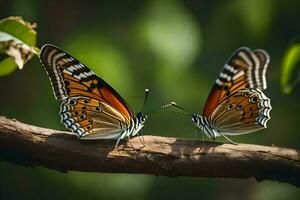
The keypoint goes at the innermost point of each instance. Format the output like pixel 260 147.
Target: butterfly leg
pixel 202 139
pixel 141 137
pixel 118 141
pixel 122 135
pixel 128 137
pixel 227 138
pixel 196 135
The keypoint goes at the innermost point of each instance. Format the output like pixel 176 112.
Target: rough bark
pixel 34 146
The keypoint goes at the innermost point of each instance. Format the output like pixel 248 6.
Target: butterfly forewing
pixel 244 69
pixel 84 95
pixel 260 72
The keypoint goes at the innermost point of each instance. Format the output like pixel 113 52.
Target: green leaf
pixel 17 40
pixel 18 28
pixel 7 66
pixel 290 73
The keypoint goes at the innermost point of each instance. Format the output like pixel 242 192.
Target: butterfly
pixel 236 104
pixel 90 107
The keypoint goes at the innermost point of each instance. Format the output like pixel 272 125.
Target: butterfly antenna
pixel 161 109
pixel 179 107
pixel 165 106
pixel 185 112
pixel 146 98
pixel 176 112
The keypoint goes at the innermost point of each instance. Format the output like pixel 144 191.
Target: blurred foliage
pixel 17 43
pixel 257 16
pixel 174 48
pixel 171 33
pixel 108 55
pixel 290 74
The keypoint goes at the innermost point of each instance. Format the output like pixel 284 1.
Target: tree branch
pixel 30 145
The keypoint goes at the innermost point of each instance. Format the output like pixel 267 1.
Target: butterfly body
pixel 90 107
pixel 205 126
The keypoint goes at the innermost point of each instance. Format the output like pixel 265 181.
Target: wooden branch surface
pixel 34 146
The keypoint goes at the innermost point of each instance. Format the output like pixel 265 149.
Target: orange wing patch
pixel 113 100
pixel 219 93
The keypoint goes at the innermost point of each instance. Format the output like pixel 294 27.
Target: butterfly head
pixel 195 119
pixel 141 117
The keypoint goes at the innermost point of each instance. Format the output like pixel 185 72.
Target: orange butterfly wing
pixel 244 69
pixel 70 78
pixel 245 111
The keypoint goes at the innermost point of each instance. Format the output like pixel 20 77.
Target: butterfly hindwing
pixel 91 118
pixel 244 69
pixel 83 93
pixel 245 111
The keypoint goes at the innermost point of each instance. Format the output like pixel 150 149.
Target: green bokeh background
pixel 174 48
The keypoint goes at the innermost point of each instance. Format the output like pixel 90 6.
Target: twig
pixel 34 146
